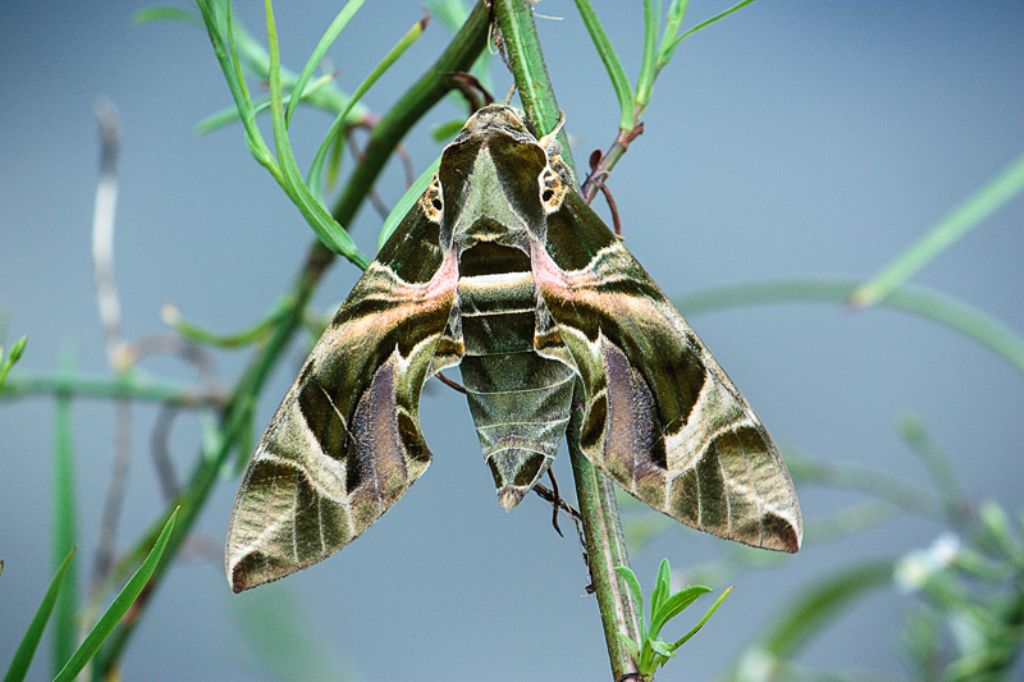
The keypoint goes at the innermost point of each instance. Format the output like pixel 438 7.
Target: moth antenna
pixel 508 95
pixel 546 140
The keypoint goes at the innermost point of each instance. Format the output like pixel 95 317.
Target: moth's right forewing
pixel 346 442
pixel 661 416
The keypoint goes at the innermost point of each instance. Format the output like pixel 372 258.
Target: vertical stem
pixel 606 549
pixel 515 19
pixel 602 528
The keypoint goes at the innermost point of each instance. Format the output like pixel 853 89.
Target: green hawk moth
pixel 502 268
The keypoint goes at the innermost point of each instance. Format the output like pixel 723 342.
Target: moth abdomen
pixel 519 399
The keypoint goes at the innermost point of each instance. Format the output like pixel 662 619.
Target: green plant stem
pixel 849 476
pixel 526 60
pixel 927 304
pixel 427 91
pixel 967 216
pixel 120 387
pixel 602 527
pixel 606 549
pixel 64 525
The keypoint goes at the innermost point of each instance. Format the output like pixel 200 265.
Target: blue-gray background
pixel 793 139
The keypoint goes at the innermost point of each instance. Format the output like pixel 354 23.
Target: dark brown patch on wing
pixel 780 533
pixel 320 411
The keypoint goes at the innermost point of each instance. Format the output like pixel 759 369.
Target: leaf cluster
pixel 650 651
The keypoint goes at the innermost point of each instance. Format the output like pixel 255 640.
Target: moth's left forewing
pixel 661 415
pixel 345 442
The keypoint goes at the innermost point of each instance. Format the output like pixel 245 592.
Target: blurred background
pixel 798 139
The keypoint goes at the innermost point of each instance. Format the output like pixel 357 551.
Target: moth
pixel 503 269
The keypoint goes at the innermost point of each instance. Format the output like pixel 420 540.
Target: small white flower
pixel 914 570
pixel 756 665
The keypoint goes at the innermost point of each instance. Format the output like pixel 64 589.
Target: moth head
pixel 495 117
pixel 497 169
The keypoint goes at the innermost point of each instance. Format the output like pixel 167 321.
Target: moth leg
pixel 556 502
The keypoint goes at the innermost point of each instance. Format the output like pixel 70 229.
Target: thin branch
pixel 600 172
pixel 109 306
pixel 103 222
pixel 597 176
pixel 160 448
pixel 114 499
pixel 407 165
pixel 126 387
pixel 477 96
pixel 171 344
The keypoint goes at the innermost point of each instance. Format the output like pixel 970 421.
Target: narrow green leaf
pixel 17 350
pixel 330 35
pixel 848 521
pixel 447 130
pixel 961 220
pixel 65 525
pixel 673 22
pixel 928 304
pixel 225 49
pixel 316 168
pixel 633 584
pixel 405 204
pixel 122 602
pixel 998 532
pixel 246 437
pixel 166 13
pixel 704 24
pixel 630 645
pixel 334 157
pixel 662 587
pixel 817 605
pixel 938 462
pixel 326 228
pixel 620 82
pixel 648 68
pixel 878 484
pixel 253 137
pixel 675 605
pixel 662 649
pixel 246 337
pixel 704 619
pixel 453 14
pixel 30 641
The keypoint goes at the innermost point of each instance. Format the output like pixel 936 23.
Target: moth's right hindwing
pixel 346 443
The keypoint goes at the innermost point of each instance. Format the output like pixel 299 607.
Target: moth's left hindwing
pixel 346 443
pixel 661 415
